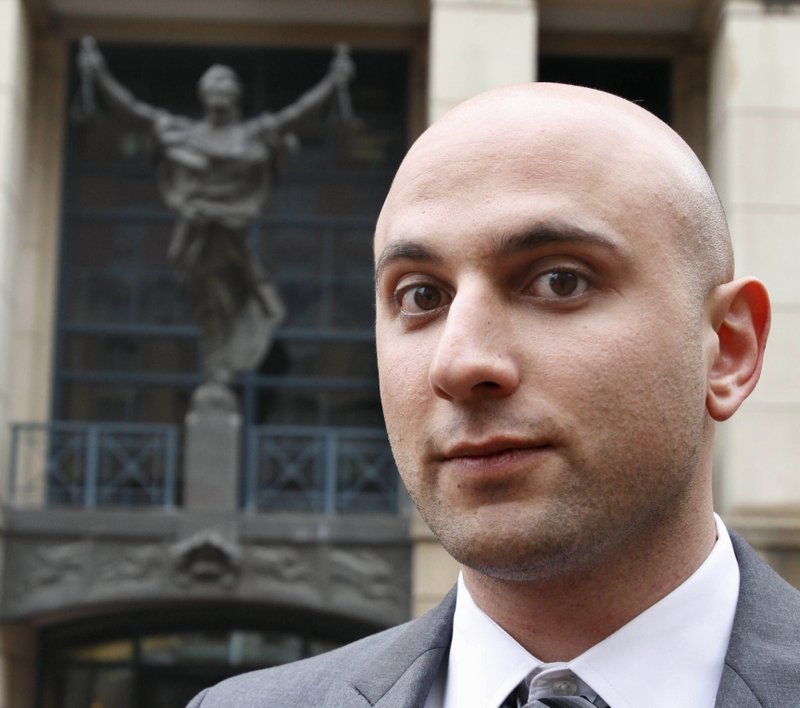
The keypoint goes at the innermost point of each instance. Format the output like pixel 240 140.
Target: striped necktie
pixel 518 699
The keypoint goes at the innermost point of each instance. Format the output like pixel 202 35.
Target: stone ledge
pixel 134 523
pixel 307 528
pixel 76 561
pixel 774 526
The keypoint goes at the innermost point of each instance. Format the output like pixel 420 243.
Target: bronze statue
pixel 217 173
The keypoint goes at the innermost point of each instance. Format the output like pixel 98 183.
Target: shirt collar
pixel 485 662
pixel 676 645
pixel 673 651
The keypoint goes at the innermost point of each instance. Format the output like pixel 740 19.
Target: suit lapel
pixel 400 674
pixel 761 665
pixel 734 692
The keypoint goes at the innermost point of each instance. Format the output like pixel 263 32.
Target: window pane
pixel 129 353
pixel 114 651
pixel 121 403
pixel 236 648
pixel 96 687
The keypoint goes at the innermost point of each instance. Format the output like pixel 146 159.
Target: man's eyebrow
pixel 404 250
pixel 548 234
pixel 508 246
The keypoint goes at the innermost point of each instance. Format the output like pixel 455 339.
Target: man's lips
pixel 493 448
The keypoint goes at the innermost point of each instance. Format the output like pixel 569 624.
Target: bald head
pixel 612 150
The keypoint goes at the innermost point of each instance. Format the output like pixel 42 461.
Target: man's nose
pixel 474 354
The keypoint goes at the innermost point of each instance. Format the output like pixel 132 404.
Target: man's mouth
pixel 492 448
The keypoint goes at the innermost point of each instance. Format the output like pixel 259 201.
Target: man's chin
pixel 507 556
pixel 524 543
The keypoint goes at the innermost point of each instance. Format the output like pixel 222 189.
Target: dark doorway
pixel 163 658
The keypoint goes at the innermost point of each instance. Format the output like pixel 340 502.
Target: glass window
pixel 163 669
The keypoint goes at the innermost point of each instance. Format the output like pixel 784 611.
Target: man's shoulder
pixel 299 682
pixel 762 666
pixel 765 598
pixel 308 682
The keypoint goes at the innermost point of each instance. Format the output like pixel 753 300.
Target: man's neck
pixel 558 617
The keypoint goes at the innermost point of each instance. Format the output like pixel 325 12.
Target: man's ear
pixel 740 316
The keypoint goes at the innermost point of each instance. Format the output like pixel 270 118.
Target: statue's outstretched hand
pixel 90 60
pixel 342 69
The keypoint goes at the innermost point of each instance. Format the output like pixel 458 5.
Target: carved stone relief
pixel 46 572
pixel 361 576
pixel 206 559
pixel 132 567
pixel 280 564
pixel 44 575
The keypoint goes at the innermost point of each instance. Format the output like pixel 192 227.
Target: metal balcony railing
pixel 287 468
pixel 320 470
pixel 92 465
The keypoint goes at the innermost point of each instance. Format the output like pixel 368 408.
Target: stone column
pixel 476 45
pixel 14 83
pixel 209 521
pixel 755 162
pixel 17 644
pixel 37 239
pixel 211 452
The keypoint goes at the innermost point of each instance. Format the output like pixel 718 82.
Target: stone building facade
pixel 129 575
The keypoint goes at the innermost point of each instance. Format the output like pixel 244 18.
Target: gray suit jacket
pixel 395 669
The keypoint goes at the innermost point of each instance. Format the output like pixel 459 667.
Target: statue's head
pixel 219 89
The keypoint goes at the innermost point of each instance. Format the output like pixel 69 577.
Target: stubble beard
pixel 622 495
pixel 571 533
pixel 522 547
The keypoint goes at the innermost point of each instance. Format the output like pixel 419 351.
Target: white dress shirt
pixel 671 654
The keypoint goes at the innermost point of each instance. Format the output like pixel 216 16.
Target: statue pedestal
pixel 212 450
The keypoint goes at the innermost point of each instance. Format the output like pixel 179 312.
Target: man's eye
pixel 420 299
pixel 559 284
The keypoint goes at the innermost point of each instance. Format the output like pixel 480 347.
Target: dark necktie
pixel 561 702
pixel 518 699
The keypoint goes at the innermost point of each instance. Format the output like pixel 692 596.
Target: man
pixel 558 329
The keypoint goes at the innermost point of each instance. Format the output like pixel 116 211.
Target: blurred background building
pixel 127 579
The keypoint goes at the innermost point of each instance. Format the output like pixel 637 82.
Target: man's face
pixel 541 354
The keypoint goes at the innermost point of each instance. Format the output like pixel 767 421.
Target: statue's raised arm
pixel 340 74
pixel 95 72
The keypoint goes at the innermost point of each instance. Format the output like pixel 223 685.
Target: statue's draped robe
pixel 218 181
